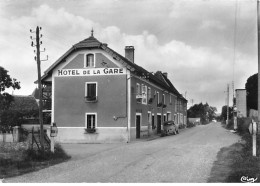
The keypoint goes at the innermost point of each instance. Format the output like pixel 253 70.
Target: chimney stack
pixel 165 74
pixel 130 53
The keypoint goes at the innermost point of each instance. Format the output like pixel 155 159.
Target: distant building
pixel 241 102
pixel 97 95
pixel 195 121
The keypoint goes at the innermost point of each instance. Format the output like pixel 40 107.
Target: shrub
pixel 9 119
pixel 230 124
pixel 37 155
pixel 19 159
pixel 243 124
pixel 190 124
pixel 181 126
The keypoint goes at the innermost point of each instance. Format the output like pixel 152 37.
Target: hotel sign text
pixel 91 72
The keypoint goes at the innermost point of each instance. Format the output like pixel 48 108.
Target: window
pixel 149 96
pixel 138 93
pixel 175 118
pixel 158 101
pixel 144 94
pixel 91 122
pixel 138 90
pixel 90 60
pixel 176 104
pixel 149 119
pixel 170 99
pixel 91 91
pixel 153 126
pixel 149 93
pixel 181 118
pixel 163 99
pixel 164 117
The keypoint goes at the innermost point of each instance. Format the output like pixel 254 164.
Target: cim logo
pixel 91 72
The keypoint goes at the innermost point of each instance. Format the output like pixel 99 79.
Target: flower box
pixel 91 99
pixel 90 130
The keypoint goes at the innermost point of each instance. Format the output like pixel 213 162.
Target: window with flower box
pixel 91 122
pixel 149 96
pixel 144 94
pixel 138 93
pixel 91 92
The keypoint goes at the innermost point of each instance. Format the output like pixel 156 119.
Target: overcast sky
pixel 192 40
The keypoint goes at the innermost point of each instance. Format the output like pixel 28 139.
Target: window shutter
pixel 94 121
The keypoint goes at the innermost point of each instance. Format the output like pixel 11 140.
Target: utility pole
pixel 38 60
pixel 227 103
pixel 234 107
pixel 258 37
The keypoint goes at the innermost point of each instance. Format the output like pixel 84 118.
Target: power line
pixel 234 53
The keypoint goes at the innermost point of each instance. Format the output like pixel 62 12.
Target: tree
pixel 203 111
pixel 251 89
pixel 224 113
pixel 6 99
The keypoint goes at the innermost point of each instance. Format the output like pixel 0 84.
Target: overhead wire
pixel 235 45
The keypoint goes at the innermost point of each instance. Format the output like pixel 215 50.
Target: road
pixel 184 158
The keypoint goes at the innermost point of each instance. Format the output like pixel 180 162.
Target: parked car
pixel 214 120
pixel 170 127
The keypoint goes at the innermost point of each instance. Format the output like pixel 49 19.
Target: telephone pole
pixel 227 103
pixel 258 38
pixel 38 60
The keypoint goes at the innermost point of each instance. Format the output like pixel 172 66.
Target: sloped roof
pixel 92 42
pixel 162 77
pixel 24 103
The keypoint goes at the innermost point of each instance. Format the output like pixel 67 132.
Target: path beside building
pixel 186 157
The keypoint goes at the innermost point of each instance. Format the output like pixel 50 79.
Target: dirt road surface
pixel 184 158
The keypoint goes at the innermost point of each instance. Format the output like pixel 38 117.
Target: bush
pixel 243 124
pixel 9 119
pixel 19 159
pixel 190 124
pixel 181 126
pixel 230 124
pixel 37 155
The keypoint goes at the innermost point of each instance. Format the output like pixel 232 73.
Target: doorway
pixel 138 125
pixel 159 121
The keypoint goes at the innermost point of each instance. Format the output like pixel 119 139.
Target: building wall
pixel 241 102
pixel 139 108
pixel 77 60
pixel 70 107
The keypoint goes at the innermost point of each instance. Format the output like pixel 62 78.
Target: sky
pixel 202 44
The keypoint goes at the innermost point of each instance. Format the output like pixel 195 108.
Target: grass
pixel 18 159
pixel 243 163
pixel 236 161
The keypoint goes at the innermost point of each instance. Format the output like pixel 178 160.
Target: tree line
pixel 205 112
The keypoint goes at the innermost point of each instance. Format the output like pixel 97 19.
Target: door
pixel 159 121
pixel 138 125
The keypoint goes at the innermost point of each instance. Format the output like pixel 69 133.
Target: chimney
pixel 130 53
pixel 165 74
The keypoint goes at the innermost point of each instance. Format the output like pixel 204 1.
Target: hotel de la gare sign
pixel 91 72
